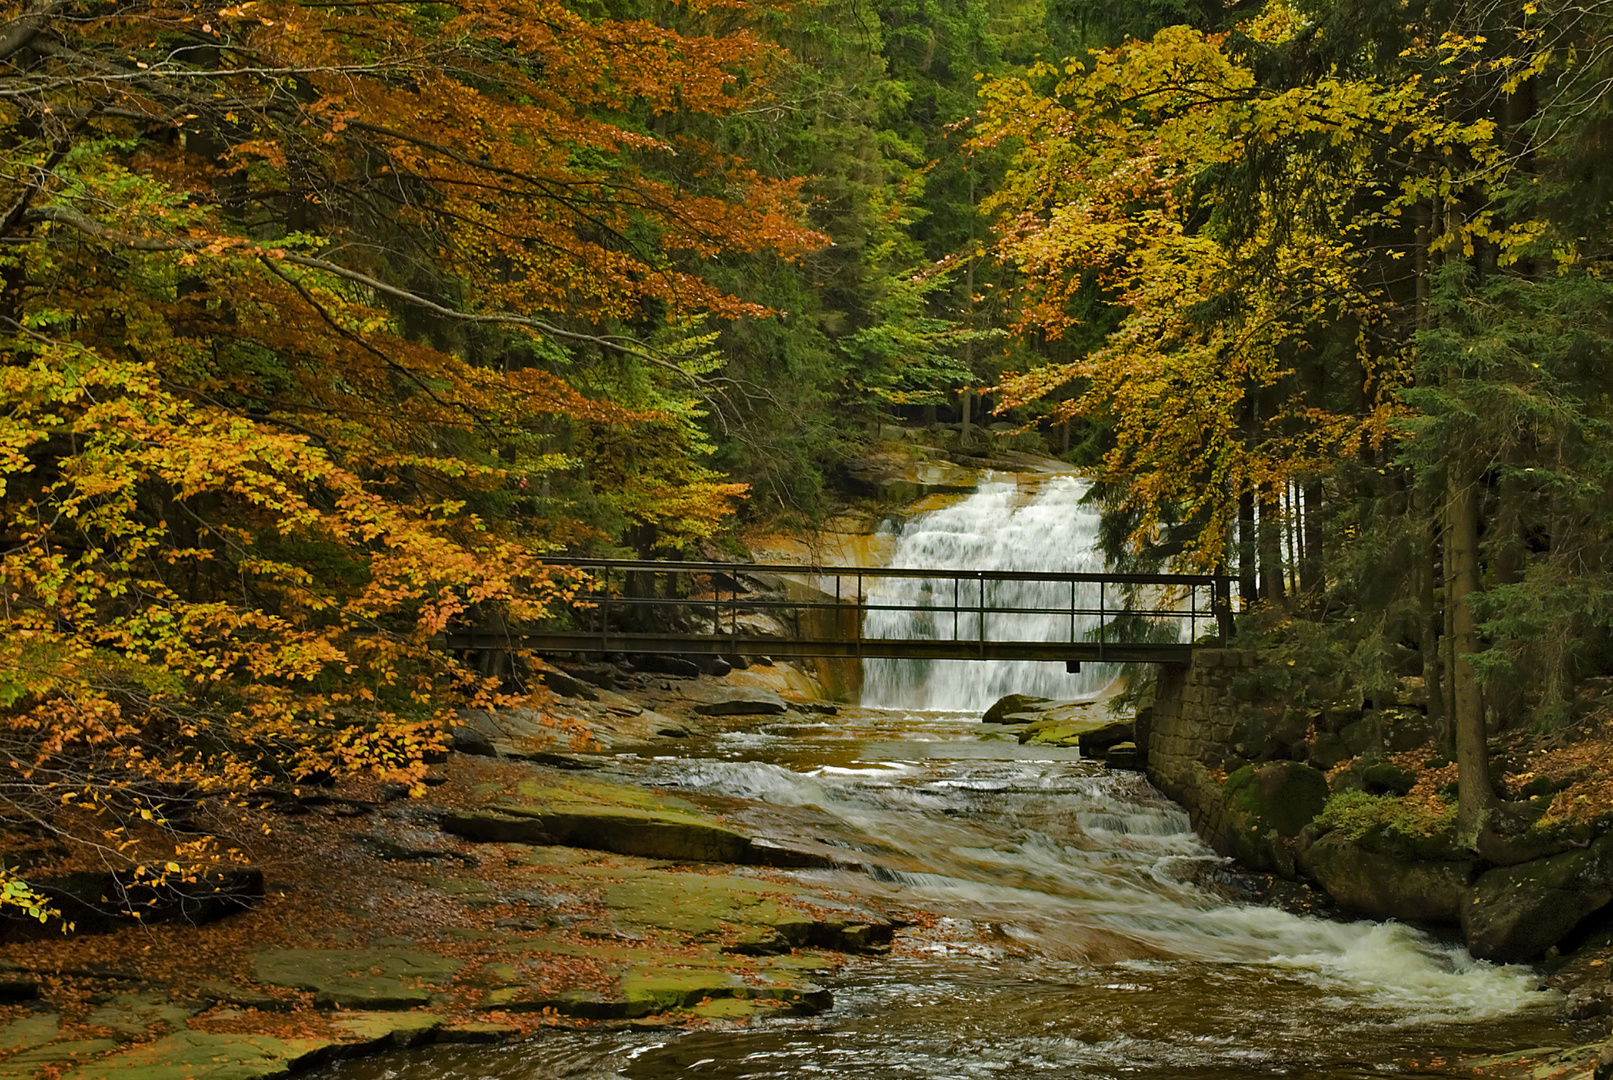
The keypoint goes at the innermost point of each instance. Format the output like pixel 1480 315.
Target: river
pixel 1064 922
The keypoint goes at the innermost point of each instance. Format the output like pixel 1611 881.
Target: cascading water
pixel 997 528
pixel 1064 923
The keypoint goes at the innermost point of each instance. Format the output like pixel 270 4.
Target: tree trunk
pixel 1310 568
pixel 1432 624
pixel 1248 584
pixel 1248 541
pixel 1271 545
pixel 1474 796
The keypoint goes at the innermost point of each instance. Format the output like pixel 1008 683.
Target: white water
pixel 997 528
pixel 1077 865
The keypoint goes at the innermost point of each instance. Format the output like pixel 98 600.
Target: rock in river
pixel 1515 913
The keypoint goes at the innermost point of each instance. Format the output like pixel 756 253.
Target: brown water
pixel 1079 931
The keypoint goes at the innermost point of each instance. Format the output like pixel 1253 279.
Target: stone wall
pixel 1190 744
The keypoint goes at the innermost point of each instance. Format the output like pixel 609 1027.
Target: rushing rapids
pixel 1064 923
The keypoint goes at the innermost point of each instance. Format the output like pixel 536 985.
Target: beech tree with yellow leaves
pixel 302 307
pixel 1321 240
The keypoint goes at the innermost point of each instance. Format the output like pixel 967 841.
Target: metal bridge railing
pixel 630 605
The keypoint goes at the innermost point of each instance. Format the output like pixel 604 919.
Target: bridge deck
pixel 789 648
pixel 632 606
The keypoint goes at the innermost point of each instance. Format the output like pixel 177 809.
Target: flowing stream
pixel 1066 923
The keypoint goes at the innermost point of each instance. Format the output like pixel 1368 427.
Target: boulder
pixel 1407 729
pixel 1279 795
pixel 717 666
pixel 1385 886
pixel 738 701
pixel 662 664
pixel 1361 736
pixel 563 684
pixel 1014 703
pixel 1126 755
pixel 1268 732
pixel 1513 914
pixel 468 740
pixel 1266 807
pixel 1511 848
pixel 1385 778
pixel 1095 741
pixel 1326 751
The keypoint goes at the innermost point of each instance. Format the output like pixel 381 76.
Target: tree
pixel 296 302
pixel 1269 211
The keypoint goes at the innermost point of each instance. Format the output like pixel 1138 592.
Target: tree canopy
pixel 304 307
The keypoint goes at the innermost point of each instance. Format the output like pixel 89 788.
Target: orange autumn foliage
pixel 293 300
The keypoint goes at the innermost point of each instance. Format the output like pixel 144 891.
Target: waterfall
pixel 997 528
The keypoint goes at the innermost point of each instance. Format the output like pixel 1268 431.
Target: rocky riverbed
pixel 518 892
pixel 523 891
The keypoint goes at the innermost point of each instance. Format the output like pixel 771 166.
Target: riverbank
pixel 518 893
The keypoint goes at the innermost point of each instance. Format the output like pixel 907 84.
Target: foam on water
pixel 1058 855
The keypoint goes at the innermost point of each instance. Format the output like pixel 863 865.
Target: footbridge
pixel 788 611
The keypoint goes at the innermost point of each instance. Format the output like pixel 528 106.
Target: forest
pixel 323 323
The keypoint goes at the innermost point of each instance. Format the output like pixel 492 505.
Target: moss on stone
pixel 187 1055
pixel 135 1014
pixel 28 1032
pixel 358 978
pixel 1280 795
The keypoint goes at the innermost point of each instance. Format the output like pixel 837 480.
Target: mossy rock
pixel 624 830
pixel 602 816
pixel 27 1032
pixel 1385 886
pixel 1058 727
pixel 647 991
pixel 1280 795
pixel 1385 778
pixel 1267 806
pixel 187 1055
pixel 35 1061
pixel 654 990
pixel 357 978
pixel 715 907
pixel 1051 733
pixel 1513 914
pixel 582 1004
pixel 738 701
pixel 135 1014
